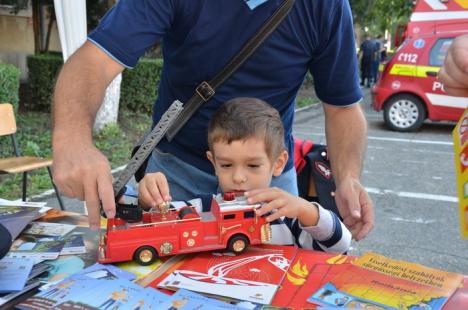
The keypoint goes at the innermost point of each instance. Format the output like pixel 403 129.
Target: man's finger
pixel 106 194
pixel 363 231
pixel 368 217
pixel 92 204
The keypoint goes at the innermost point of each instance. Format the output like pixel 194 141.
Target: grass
pixel 305 101
pixel 34 139
pixel 115 141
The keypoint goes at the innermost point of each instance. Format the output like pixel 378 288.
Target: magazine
pixel 309 271
pixel 382 283
pixel 409 271
pixel 254 275
pixel 187 300
pixel 74 244
pixel 34 247
pixel 95 287
pixel 16 218
pixel 14 274
pixel 48 229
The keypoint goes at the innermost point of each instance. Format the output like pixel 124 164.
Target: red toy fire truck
pixel 231 224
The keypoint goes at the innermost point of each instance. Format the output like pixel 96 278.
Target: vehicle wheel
pixel 145 255
pixel 404 113
pixel 238 244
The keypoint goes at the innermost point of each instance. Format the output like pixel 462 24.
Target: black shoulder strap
pixel 206 90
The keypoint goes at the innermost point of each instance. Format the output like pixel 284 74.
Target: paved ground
pixel 410 178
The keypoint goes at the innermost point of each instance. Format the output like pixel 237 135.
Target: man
pixel 454 73
pixel 197 44
pixel 367 53
pixel 377 58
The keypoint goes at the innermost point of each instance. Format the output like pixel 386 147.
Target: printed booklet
pixel 96 287
pixel 379 282
pixel 254 275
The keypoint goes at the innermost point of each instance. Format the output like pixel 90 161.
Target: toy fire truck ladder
pixel 143 152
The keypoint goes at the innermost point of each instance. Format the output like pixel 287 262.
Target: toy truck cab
pixel 231 224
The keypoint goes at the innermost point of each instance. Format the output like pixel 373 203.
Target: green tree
pixel 381 15
pixel 95 9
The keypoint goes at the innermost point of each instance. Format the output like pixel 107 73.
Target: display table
pixel 458 301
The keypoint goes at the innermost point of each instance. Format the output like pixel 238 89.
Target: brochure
pixel 74 244
pixel 410 271
pixel 48 229
pixel 36 247
pixel 359 287
pixel 309 271
pixel 90 289
pixel 16 218
pixel 254 275
pixel 6 297
pixel 187 300
pixel 14 273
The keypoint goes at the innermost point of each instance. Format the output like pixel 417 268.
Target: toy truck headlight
pixel 265 232
pixel 102 246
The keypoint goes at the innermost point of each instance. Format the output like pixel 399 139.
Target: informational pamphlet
pixel 460 146
pixel 14 273
pixel 254 275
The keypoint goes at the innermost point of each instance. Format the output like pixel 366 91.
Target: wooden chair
pixel 18 163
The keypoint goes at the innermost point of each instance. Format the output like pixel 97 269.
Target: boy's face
pixel 244 165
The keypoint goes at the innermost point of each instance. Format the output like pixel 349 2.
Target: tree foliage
pixel 379 15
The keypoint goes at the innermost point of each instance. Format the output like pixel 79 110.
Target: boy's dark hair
pixel 243 118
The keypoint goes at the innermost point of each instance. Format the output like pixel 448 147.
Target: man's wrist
pixel 346 178
pixel 65 138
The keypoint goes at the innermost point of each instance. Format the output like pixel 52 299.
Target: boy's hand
pixel 285 204
pixel 153 190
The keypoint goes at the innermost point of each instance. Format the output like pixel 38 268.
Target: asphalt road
pixel 411 179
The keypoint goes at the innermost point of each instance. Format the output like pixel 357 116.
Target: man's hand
pixel 454 73
pixel 346 130
pixel 153 190
pixel 355 207
pixel 82 172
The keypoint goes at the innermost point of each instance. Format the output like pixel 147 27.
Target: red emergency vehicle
pixel 408 90
pixel 231 224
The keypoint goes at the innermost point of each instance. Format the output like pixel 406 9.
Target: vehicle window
pixel 249 214
pixel 438 52
pixel 229 216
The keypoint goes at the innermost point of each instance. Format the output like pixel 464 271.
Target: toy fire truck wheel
pixel 404 112
pixel 238 244
pixel 145 255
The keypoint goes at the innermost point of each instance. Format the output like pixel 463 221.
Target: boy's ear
pixel 280 163
pixel 210 157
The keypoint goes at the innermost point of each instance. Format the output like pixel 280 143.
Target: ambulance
pixel 408 91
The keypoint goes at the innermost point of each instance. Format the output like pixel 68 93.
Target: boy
pixel 246 148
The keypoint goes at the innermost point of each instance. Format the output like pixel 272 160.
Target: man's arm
pixel 80 169
pixel 346 131
pixel 454 73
